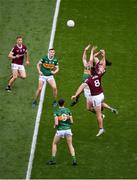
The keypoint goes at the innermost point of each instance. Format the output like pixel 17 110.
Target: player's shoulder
pixel 56 111
pixel 24 46
pixel 45 57
pixel 88 79
pixel 55 59
pixel 68 110
pixel 15 47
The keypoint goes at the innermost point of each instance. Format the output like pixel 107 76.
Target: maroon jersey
pixel 19 51
pixel 94 83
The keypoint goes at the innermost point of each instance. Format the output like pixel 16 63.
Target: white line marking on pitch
pixel 37 122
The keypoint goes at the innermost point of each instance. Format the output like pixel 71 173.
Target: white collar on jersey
pixel 19 46
pixel 50 58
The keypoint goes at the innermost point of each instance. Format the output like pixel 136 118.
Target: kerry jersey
pixel 63 120
pixel 48 65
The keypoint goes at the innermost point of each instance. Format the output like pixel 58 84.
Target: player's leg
pixel 52 83
pixel 54 145
pixel 99 116
pixel 97 102
pixel 71 149
pixel 13 77
pixel 54 150
pixel 105 105
pixel 89 105
pixel 22 72
pixel 38 91
pixel 99 120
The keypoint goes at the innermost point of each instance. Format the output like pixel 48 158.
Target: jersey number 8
pixel 97 83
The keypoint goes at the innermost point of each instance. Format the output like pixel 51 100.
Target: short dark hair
pixel 18 37
pixel 61 102
pixel 93 70
pixel 51 49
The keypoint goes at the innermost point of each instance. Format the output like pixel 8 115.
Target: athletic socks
pixel 74 161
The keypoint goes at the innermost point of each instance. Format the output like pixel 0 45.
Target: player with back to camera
pixel 97 95
pixel 62 122
pixel 47 67
pixel 17 56
pixel 87 66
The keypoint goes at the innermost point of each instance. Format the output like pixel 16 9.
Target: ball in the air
pixel 70 23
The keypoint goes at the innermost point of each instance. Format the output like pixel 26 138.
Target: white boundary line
pixel 37 122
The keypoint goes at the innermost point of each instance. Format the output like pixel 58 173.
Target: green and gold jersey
pixel 86 73
pixel 48 65
pixel 63 120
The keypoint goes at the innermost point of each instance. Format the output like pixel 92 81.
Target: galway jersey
pixel 19 50
pixel 48 65
pixel 86 73
pixel 94 83
pixel 63 120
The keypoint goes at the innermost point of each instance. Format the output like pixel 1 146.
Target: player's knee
pixel 88 108
pixel 15 76
pixel 23 76
pixel 39 89
pixel 54 143
pixel 54 88
pixel 99 116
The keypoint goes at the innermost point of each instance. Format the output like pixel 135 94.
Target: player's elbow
pixel 57 69
pixel 9 56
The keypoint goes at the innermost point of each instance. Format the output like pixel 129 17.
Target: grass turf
pixel 33 20
pixel 110 25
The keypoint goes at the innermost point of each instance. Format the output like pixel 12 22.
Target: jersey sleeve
pixel 56 62
pixel 87 81
pixel 42 60
pixel 56 113
pixel 25 47
pixel 13 50
pixel 69 112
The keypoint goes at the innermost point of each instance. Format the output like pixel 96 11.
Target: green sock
pixel 74 157
pixel 53 158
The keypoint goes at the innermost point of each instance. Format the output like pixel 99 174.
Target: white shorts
pixel 87 92
pixel 17 67
pixel 64 133
pixel 97 100
pixel 46 78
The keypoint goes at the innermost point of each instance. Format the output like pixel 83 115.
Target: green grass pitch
pixel 109 24
pixel 29 19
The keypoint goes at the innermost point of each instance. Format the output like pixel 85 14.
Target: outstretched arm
pixel 92 56
pixel 103 60
pixel 96 60
pixel 79 91
pixel 84 58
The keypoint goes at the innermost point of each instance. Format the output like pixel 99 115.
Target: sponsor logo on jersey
pixel 49 66
pixel 63 117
